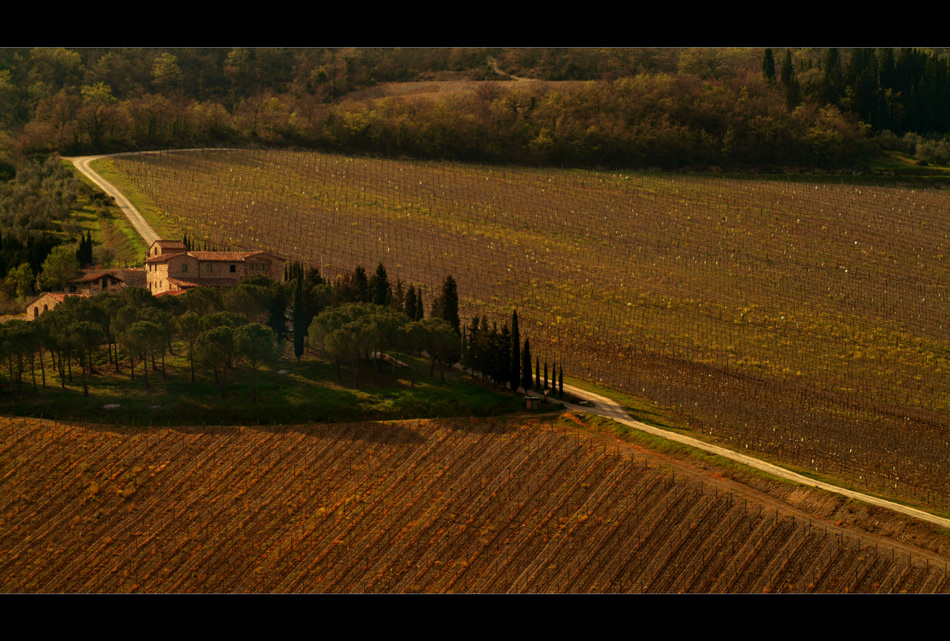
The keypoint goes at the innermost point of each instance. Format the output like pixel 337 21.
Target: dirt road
pixel 138 222
pixel 611 409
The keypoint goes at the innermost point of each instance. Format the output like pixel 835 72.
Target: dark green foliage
pixel 31 248
pixel 792 90
pixel 380 291
pixel 768 66
pixel 560 380
pixel 832 84
pixel 353 287
pixel 298 316
pixel 419 305
pixel 526 378
pixel 537 373
pixel 446 305
pixel 410 306
pixel 629 115
pixel 514 373
pixel 277 312
pixel 84 251
pixel 398 299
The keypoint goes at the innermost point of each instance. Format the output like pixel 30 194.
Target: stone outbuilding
pixel 45 302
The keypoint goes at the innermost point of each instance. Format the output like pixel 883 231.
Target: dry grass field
pixel 523 505
pixel 802 321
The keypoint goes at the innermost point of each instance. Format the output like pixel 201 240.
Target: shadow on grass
pixel 294 396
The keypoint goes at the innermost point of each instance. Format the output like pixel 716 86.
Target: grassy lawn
pixel 288 392
pixel 163 225
pixel 110 229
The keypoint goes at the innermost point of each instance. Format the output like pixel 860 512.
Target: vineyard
pixel 798 320
pixel 515 505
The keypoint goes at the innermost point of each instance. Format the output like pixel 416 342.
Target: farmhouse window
pixel 233 268
pixel 208 267
pixel 184 267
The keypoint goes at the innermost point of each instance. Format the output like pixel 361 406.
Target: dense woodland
pixel 635 108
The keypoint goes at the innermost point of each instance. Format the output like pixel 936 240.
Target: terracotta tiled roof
pixel 171 244
pixel 203 282
pixel 96 274
pixel 223 256
pixel 134 277
pixel 263 253
pixel 59 296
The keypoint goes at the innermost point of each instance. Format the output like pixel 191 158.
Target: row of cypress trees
pixel 500 356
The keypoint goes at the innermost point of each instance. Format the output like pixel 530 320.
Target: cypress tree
pixel 792 92
pixel 420 310
pixel 448 304
pixel 411 303
pixel 399 297
pixel 472 345
pixel 545 374
pixel 526 378
pixel 560 381
pixel 832 85
pixel 361 285
pixel 514 377
pixel 537 373
pixel 768 66
pixel 501 358
pixel 298 319
pixel 379 289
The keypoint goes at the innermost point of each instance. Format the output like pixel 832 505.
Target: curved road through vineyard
pixel 601 405
pixel 143 228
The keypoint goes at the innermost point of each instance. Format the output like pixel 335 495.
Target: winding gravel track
pixel 138 222
pixel 611 409
pixel 601 405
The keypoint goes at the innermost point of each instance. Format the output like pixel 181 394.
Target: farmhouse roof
pixel 263 253
pixel 133 276
pixel 212 256
pixel 163 258
pixel 96 274
pixel 59 296
pixel 201 282
pixel 171 244
pixel 222 256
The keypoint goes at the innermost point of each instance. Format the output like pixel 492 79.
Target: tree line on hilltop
pixel 630 108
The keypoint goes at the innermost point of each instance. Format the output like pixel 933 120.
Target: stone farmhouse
pixel 171 267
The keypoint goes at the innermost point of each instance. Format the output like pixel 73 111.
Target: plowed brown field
pixel 515 505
